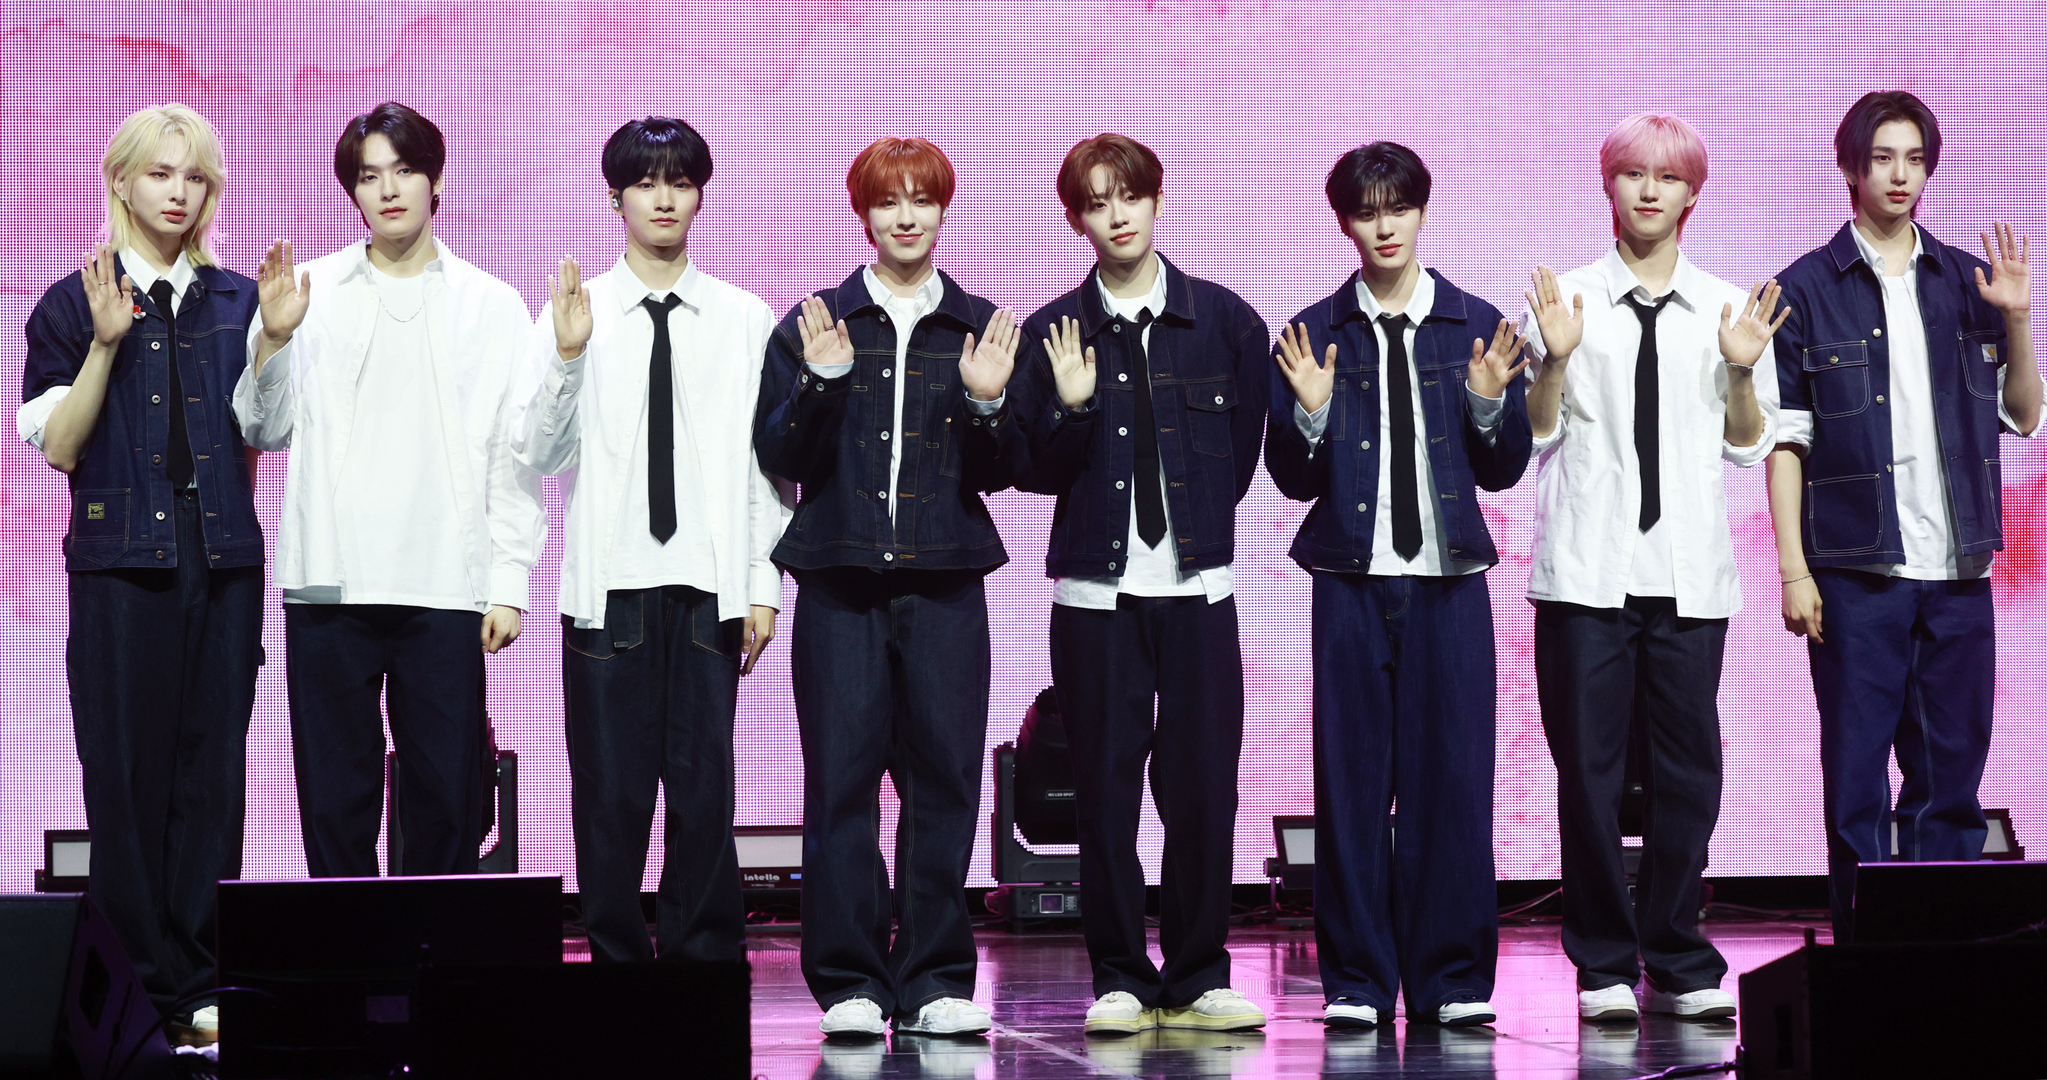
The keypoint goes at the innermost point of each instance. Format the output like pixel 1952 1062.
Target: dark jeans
pixel 1108 667
pixel 338 660
pixel 162 666
pixel 1910 664
pixel 650 702
pixel 1596 669
pixel 1404 710
pixel 890 673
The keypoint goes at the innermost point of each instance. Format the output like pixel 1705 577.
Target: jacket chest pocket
pixel 1979 363
pixel 1209 406
pixel 1837 376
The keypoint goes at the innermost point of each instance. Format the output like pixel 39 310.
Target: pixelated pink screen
pixel 1248 105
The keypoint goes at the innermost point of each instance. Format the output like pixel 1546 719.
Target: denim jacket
pixel 1207 361
pixel 121 495
pixel 1341 473
pixel 831 437
pixel 1834 361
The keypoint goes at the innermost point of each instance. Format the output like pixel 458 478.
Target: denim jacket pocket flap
pixel 99 524
pixel 1216 395
pixel 1838 375
pixel 1838 355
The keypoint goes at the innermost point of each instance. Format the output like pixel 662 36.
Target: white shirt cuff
pixel 1485 412
pixel 1312 424
pixel 987 408
pixel 34 415
pixel 1794 426
pixel 829 371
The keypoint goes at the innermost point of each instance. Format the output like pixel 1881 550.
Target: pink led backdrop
pixel 1247 105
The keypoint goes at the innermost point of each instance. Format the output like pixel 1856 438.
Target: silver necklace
pixel 395 317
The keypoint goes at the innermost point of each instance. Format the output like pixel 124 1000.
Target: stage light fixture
pixel 2000 841
pixel 1293 836
pixel 770 856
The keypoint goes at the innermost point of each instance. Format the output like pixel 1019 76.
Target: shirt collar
pixel 1686 283
pixel 1153 301
pixel 1876 260
pixel 1419 304
pixel 631 290
pixel 145 276
pixel 359 260
pixel 924 301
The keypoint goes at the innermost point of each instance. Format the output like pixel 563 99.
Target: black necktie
pixel 178 458
pixel 1407 502
pixel 1151 502
pixel 660 424
pixel 1647 448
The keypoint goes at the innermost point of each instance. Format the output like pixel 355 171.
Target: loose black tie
pixel 178 458
pixel 660 424
pixel 1647 449
pixel 1407 502
pixel 1151 502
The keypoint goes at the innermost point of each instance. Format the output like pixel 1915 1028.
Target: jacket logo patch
pixel 95 511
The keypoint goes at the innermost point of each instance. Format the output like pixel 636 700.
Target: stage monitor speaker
pixel 658 1019
pixel 1904 1011
pixel 1947 901
pixel 70 1001
pixel 338 962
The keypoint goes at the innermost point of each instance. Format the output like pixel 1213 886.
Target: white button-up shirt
pixel 588 424
pixel 1923 515
pixel 1433 559
pixel 1150 571
pixel 33 418
pixel 1588 486
pixel 307 399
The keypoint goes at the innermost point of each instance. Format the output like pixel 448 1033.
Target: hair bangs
pixel 1132 167
pixel 890 164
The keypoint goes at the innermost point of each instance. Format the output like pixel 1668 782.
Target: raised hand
pixel 2010 286
pixel 1073 368
pixel 985 368
pixel 1562 327
pixel 824 345
pixel 1493 368
pixel 282 293
pixel 110 295
pixel 1312 382
pixel 571 310
pixel 1742 340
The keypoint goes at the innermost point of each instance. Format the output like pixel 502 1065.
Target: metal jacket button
pixel 1878 332
pixel 888 556
pixel 1115 545
pixel 1122 376
pixel 159 515
pixel 1119 485
pixel 884 436
pixel 1365 444
pixel 155 346
pixel 155 399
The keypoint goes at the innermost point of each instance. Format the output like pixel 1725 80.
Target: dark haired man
pixel 1903 359
pixel 1145 411
pixel 1390 408
pixel 408 527
pixel 649 374
pixel 879 397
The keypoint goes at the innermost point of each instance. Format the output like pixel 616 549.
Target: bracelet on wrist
pixel 1796 580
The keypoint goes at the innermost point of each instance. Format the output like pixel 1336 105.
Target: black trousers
pixel 650 700
pixel 342 660
pixel 1596 669
pixel 1109 667
pixel 162 666
pixel 890 673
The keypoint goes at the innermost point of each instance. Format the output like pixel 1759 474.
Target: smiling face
pixel 1896 173
pixel 1114 219
pixel 395 198
pixel 1649 202
pixel 164 197
pixel 1385 237
pixel 658 212
pixel 903 224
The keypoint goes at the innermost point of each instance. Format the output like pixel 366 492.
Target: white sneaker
pixel 948 1016
pixel 1711 1003
pixel 1609 1003
pixel 206 1019
pixel 1349 1013
pixel 1118 1012
pixel 1465 1013
pixel 853 1017
pixel 1221 1009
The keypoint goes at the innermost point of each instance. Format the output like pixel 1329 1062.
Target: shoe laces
pixel 949 1007
pixel 1118 998
pixel 865 1006
pixel 1221 995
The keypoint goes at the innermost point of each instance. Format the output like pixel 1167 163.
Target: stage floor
pixel 1037 987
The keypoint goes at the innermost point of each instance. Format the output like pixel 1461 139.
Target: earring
pixel 615 204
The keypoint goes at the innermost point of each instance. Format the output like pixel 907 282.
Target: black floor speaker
pixel 334 967
pixel 71 1004
pixel 659 1019
pixel 1947 901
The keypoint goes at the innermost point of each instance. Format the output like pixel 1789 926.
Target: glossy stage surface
pixel 1037 987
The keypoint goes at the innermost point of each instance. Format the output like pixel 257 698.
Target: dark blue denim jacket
pixel 1833 360
pixel 1207 361
pixel 831 437
pixel 1342 475
pixel 121 509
